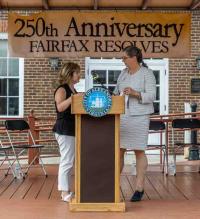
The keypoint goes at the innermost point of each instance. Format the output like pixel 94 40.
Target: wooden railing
pixel 45 124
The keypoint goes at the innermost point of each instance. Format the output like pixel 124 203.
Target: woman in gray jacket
pixel 137 83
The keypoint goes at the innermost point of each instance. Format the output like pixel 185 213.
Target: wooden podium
pixel 97 158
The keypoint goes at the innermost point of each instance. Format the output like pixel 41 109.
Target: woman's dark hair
pixel 132 51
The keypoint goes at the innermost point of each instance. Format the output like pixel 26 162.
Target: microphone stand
pixel 103 86
pixel 99 81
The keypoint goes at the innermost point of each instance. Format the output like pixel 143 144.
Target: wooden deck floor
pixel 176 196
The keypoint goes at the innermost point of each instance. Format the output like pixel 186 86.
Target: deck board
pixel 169 197
pixel 47 188
pixel 173 190
pixel 23 189
pixel 35 189
pixel 184 186
pixel 5 183
pixel 55 194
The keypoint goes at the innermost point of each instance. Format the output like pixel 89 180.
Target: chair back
pixel 156 125
pixel 16 125
pixel 191 123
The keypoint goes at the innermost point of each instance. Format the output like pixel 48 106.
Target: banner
pixel 99 34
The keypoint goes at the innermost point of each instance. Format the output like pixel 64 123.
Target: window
pixel 106 71
pixel 157 101
pixel 11 82
pixel 108 78
pixel 103 72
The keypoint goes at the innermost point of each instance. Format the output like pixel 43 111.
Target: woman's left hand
pixel 132 92
pixel 129 91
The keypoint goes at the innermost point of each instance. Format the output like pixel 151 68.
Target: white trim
pixel 167 84
pixel 162 65
pixel 102 64
pixel 4 36
pixel 87 59
pixel 21 87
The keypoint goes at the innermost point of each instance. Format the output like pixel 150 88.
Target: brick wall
pixel 38 78
pixel 38 90
pixel 38 85
pixel 181 71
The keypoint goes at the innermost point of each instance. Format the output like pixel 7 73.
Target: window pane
pixel 13 67
pixel 157 76
pixel 13 106
pixel 3 66
pixel 3 87
pixel 3 48
pixel 99 76
pixel 111 89
pixel 156 108
pixel 157 93
pixel 3 106
pixel 99 85
pixel 13 87
pixel 113 76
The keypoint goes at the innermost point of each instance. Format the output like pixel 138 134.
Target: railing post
pixel 167 143
pixel 32 152
pixel 161 142
pixel 193 150
pixel 193 133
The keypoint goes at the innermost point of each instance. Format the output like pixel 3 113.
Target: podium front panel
pixel 97 173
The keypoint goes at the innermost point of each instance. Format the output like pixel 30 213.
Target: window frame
pixel 4 36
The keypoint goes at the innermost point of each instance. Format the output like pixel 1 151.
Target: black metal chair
pixel 23 126
pixel 4 152
pixel 157 126
pixel 183 125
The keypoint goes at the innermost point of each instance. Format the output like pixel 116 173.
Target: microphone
pixel 96 77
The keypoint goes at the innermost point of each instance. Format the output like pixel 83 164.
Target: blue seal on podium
pixel 97 101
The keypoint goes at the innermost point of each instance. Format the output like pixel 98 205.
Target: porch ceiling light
pixel 54 62
pixel 198 62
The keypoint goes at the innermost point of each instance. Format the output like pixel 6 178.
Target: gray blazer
pixel 142 81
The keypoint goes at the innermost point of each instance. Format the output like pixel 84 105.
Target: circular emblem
pixel 97 101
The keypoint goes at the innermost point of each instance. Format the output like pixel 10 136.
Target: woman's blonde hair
pixel 66 73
